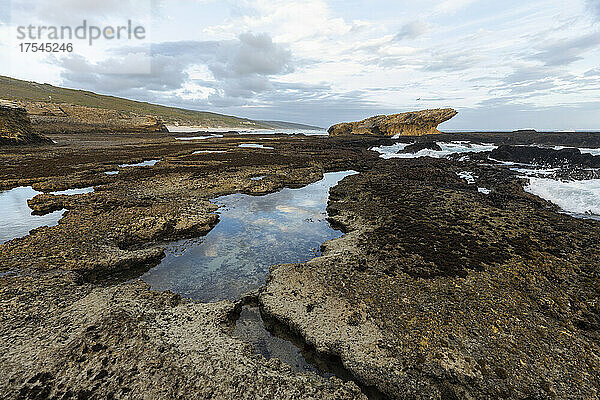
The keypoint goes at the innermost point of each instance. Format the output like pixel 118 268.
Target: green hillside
pixel 15 89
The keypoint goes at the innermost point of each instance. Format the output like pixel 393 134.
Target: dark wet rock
pixel 437 291
pixel 414 123
pixel 544 156
pixel 575 174
pixel 416 147
pixel 525 131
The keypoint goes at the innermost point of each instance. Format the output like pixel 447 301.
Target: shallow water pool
pixel 254 232
pixel 15 215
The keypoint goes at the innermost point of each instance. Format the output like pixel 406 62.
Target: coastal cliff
pixel 69 118
pixel 15 125
pixel 416 123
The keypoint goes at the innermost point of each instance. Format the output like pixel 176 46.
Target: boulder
pixel 416 123
pixel 15 126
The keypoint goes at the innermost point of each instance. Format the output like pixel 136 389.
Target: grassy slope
pixel 14 89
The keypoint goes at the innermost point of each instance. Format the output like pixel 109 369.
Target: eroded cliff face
pixel 415 123
pixel 15 126
pixel 69 118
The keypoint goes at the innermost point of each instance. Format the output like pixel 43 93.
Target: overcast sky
pixel 502 64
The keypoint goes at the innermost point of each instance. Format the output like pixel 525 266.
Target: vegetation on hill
pixel 25 91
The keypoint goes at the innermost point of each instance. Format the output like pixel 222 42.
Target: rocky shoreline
pixel 435 290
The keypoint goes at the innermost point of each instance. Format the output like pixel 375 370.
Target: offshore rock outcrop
pixel 416 123
pixel 69 118
pixel 15 126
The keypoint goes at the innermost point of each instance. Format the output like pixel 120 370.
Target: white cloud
pixel 451 6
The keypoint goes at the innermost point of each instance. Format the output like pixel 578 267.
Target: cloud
pixel 565 52
pixel 237 69
pixel 510 113
pixel 452 6
pixel 592 73
pixel 163 74
pixel 70 12
pixel 440 61
pixel 411 30
pixel 594 6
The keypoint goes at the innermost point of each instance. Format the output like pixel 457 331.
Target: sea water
pixel 15 215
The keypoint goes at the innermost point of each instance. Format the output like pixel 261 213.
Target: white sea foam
pixel 576 197
pixel 484 190
pixel 467 176
pixel 535 172
pixel 448 148
pixel 594 152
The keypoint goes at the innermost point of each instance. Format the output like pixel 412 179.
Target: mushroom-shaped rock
pixel 414 123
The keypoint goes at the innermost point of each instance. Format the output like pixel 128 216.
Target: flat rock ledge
pixel 416 123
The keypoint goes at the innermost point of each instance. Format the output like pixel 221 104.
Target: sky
pixel 503 65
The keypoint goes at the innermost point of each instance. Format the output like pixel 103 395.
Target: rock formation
pixel 69 118
pixel 415 123
pixel 15 126
pixel 545 156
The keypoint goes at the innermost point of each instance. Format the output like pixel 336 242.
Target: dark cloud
pixel 241 68
pixel 565 52
pixel 411 30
